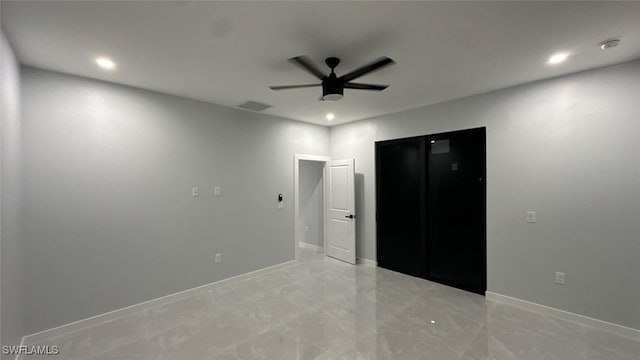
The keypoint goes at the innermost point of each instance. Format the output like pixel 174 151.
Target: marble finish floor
pixel 321 308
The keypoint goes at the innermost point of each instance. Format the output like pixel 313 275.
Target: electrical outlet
pixel 560 278
pixel 531 216
pixel 195 192
pixel 218 258
pixel 216 191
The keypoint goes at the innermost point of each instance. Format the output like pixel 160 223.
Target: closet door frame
pixel 424 231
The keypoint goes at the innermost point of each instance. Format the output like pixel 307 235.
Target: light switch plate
pixel 195 192
pixel 531 216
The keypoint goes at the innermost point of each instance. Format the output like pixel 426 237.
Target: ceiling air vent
pixel 254 106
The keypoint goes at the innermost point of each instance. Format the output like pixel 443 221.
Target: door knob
pixel 350 216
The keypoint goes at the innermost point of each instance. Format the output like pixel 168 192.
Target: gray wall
pixel 10 193
pixel 567 148
pixel 311 203
pixel 110 220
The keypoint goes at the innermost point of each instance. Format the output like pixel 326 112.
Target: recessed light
pixel 607 44
pixel 330 116
pixel 433 141
pixel 558 58
pixel 433 321
pixel 105 63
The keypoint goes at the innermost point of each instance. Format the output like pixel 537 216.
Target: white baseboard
pixel 311 246
pixel 367 262
pixel 98 319
pixel 565 315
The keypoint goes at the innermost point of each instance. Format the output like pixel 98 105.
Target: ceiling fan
pixel 332 85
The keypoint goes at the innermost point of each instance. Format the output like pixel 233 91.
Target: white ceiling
pixel 230 52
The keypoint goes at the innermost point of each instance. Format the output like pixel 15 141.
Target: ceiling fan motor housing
pixel 332 88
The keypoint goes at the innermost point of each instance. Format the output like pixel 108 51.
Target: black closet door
pixel 400 195
pixel 456 209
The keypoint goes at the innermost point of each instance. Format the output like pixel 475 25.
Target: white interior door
pixel 341 216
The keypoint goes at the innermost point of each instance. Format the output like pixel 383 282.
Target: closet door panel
pixel 456 209
pixel 400 195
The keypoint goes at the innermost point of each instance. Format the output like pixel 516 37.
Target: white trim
pixel 315 248
pixel 367 262
pixel 296 196
pixel 565 315
pixel 111 315
pixel 320 158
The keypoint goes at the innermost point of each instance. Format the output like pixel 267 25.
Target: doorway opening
pixel 310 204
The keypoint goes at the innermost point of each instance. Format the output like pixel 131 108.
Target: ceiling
pixel 230 52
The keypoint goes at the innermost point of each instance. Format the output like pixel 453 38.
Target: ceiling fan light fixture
pixel 332 89
pixel 332 97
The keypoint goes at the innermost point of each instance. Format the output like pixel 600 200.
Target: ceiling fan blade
pixel 376 65
pixel 285 87
pixel 365 86
pixel 306 64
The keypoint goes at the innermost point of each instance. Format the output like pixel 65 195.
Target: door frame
pixel 427 138
pixel 296 197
